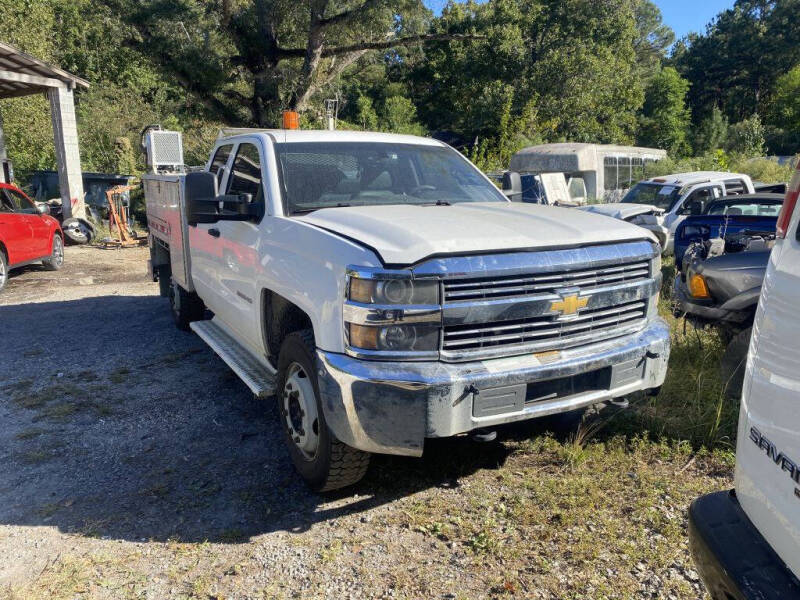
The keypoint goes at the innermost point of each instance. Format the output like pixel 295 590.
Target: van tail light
pixel 789 203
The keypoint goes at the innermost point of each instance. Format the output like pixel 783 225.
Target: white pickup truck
pixel 746 542
pixel 386 292
pixel 660 204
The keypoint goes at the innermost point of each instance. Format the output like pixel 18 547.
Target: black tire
pixel 732 364
pixel 3 270
pixel 334 464
pixel 56 258
pixel 164 280
pixel 78 231
pixel 186 306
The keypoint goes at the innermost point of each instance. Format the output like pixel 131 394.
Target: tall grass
pixel 692 405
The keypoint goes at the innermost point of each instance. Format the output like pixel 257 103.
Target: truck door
pixel 768 442
pixel 705 193
pixel 234 258
pixel 206 246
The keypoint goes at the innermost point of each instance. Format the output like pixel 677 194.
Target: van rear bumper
pixel 734 559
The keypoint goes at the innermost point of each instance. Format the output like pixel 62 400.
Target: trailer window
pixel 610 173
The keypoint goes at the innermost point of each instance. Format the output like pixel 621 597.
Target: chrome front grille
pixel 512 304
pixel 459 290
pixel 545 333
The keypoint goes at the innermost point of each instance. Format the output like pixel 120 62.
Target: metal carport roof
pixel 21 74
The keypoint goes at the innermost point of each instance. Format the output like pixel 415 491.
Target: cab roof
pixel 694 177
pixel 289 136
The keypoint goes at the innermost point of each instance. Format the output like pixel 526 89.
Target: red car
pixel 26 235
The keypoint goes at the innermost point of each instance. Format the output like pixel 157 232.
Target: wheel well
pixel 3 250
pixel 281 317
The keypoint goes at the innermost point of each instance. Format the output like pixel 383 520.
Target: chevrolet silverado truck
pixel 386 292
pixel 746 541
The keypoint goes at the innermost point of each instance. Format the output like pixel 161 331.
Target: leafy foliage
pixel 665 119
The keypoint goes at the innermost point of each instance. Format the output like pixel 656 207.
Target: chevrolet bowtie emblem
pixel 569 305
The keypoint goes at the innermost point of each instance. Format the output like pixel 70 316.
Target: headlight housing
pixel 389 314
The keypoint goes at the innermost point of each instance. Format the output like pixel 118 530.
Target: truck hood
pixel 407 234
pixel 623 210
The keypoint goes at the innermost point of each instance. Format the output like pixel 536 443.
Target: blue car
pixel 728 218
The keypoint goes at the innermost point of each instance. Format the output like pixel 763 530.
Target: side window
pixel 610 173
pixel 624 173
pixel 5 203
pixel 220 160
pixel 20 203
pixel 245 176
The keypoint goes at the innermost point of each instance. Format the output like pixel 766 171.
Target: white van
pixel 591 171
pixel 746 542
pixel 661 203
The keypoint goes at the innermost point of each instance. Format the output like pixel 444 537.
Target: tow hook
pixel 484 435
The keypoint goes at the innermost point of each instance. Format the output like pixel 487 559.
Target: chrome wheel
pixel 58 251
pixel 3 272
pixel 299 410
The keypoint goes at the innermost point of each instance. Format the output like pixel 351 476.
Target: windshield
pixel 657 194
pixel 318 175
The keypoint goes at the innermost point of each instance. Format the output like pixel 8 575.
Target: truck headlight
pixel 392 314
pixel 394 338
pixel 393 291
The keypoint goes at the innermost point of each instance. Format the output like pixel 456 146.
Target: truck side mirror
pixel 202 205
pixel 512 185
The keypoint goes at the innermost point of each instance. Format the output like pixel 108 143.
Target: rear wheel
pixel 324 462
pixel 56 259
pixel 186 306
pixel 3 270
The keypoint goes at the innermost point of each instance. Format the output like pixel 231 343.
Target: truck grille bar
pixel 511 286
pixel 540 301
pixel 544 331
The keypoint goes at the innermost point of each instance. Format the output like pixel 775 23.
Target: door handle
pixel 214 232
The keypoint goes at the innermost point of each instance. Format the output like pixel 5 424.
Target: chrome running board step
pixel 257 376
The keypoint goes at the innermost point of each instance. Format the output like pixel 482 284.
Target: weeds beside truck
pixel 385 292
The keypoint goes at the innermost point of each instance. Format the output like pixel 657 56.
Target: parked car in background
pixel 746 542
pixel 665 201
pixel 26 235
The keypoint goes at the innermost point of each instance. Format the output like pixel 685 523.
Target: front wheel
pixel 186 306
pixel 324 462
pixel 56 259
pixel 3 270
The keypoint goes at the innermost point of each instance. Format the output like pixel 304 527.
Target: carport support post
pixel 68 159
pixel 3 154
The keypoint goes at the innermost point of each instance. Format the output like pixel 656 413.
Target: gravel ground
pixel 133 463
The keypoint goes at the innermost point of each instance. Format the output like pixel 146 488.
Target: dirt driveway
pixel 133 464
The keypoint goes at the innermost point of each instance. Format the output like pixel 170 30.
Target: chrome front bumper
pixel 391 407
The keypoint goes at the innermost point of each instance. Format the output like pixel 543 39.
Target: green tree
pixel 736 62
pixel 400 116
pixel 535 73
pixel 653 38
pixel 746 138
pixel 785 108
pixel 664 121
pixel 711 134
